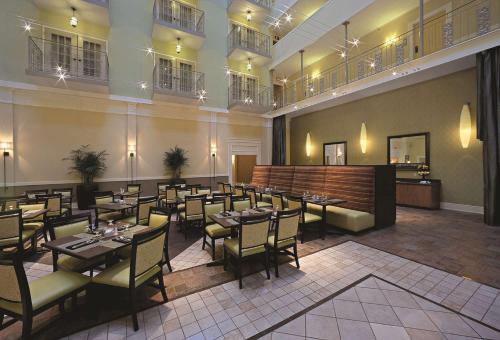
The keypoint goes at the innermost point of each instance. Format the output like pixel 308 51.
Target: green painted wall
pixel 433 106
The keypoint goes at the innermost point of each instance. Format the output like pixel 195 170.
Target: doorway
pixel 242 167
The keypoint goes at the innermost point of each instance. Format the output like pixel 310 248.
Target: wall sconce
pixel 213 150
pixel 6 146
pixel 178 47
pixel 363 140
pixel 249 64
pixel 73 21
pixel 308 145
pixel 131 150
pixel 465 126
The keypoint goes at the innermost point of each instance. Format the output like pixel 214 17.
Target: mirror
pixel 407 152
pixel 335 153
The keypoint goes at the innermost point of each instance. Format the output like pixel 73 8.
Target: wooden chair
pixel 240 205
pixel 22 300
pixel 10 203
pixel 169 197
pixel 285 235
pixel 239 191
pixel 142 215
pixel 307 220
pixel 161 187
pixel 277 202
pixel 193 213
pixel 251 242
pixel 133 188
pixel 67 198
pixel 12 234
pixel 54 204
pixel 38 224
pixel 211 229
pixel 102 197
pixel 226 197
pixel 30 195
pixel 143 267
pixel 252 195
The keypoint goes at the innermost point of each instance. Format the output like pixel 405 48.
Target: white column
pixel 131 140
pixel 213 149
pixel 7 136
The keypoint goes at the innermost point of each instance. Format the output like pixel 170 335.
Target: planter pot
pixel 84 195
pixel 174 181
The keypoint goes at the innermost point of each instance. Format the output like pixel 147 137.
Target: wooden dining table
pixel 90 246
pixel 29 214
pixel 113 206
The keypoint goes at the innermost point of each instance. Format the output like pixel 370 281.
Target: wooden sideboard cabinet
pixel 412 193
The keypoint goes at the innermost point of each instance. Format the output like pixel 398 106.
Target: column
pixel 346 51
pixel 421 27
pixel 132 149
pixel 304 90
pixel 7 141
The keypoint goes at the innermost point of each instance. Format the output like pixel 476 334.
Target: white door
pixel 186 77
pixel 164 72
pixel 92 61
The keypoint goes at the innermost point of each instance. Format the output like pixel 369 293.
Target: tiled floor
pixel 193 256
pixel 373 309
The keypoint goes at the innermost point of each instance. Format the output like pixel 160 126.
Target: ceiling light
pixel 59 69
pixel 372 64
pixel 62 76
pixel 284 80
pixel 288 18
pixel 143 85
pixel 249 15
pixel 334 93
pixel 277 24
pixel 149 51
pixel 296 107
pixel 27 27
pixel 73 21
pixel 178 48
pixel 342 54
pixel 355 42
pixel 249 65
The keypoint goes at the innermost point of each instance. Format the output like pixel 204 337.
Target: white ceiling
pixel 95 11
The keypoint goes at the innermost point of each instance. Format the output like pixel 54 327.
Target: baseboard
pixel 463 207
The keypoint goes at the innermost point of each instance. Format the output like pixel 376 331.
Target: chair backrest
pixel 227 188
pixel 254 230
pixel 52 202
pixel 241 204
pixel 147 252
pixel 170 193
pixel 194 188
pixel 220 186
pixel 10 204
pixel 287 224
pixel 295 202
pixel 11 226
pixel 227 198
pixel 133 187
pixel 158 218
pixel 143 206
pixel 204 190
pixel 15 289
pixel 195 205
pixel 250 192
pixel 101 197
pixel 239 191
pixel 277 202
pixel 64 192
pixel 31 194
pixel 35 206
pixel 162 187
pixel 182 193
pixel 212 209
pixel 70 226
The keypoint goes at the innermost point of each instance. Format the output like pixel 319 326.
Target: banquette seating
pixel 369 191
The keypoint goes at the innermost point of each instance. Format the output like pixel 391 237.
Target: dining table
pixel 29 214
pixel 324 202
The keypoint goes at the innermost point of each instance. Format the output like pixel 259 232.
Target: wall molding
pixel 475 209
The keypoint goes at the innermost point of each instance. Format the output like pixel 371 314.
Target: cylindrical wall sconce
pixel 465 126
pixel 131 150
pixel 308 145
pixel 363 140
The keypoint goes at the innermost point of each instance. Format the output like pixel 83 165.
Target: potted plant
pixel 89 165
pixel 175 160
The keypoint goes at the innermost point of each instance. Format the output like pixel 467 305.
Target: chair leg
pixel 225 257
pixel 238 271
pixel 275 253
pixel 204 240
pixel 134 313
pixel 61 306
pixel 73 300
pixel 162 287
pixel 213 249
pixel 167 258
pixel 1 319
pixel 302 234
pixel 267 263
pixel 27 323
pixel 296 255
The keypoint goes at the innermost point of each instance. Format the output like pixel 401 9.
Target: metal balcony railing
pixel 263 3
pixel 87 62
pixel 179 15
pixel 177 81
pixel 250 94
pixel 473 19
pixel 248 39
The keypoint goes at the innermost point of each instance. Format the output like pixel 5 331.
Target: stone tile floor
pixel 194 256
pixel 383 310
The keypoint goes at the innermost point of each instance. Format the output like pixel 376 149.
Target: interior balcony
pixel 174 19
pixel 259 9
pixel 244 43
pixel 85 63
pixel 95 11
pixel 248 97
pixel 178 84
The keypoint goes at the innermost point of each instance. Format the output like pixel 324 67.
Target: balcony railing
pixel 262 3
pixel 248 39
pixel 473 19
pixel 179 82
pixel 246 94
pixel 64 61
pixel 179 15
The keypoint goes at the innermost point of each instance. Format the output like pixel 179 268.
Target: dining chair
pixel 194 188
pixel 22 300
pixel 277 202
pixel 227 188
pixel 103 197
pixel 12 234
pixel 204 191
pixel 144 266
pixel 252 239
pixel 10 203
pixel 133 187
pixel 67 198
pixel 239 191
pixel 70 226
pixel 53 202
pixel 285 236
pixel 211 229
pixel 38 223
pixel 226 197
pixel 307 220
pixel 240 205
pixel 161 187
pixel 252 195
pixel 220 186
pixel 30 195
pixel 193 213
pixel 142 213
pixel 170 197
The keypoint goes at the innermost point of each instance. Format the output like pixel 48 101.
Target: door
pixel 243 167
pixel 185 17
pixel 165 73
pixel 251 39
pixel 236 87
pixel 186 81
pixel 59 52
pixel 236 29
pixel 251 89
pixel 92 59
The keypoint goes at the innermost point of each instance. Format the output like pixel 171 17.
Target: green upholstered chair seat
pixel 73 264
pixel 33 225
pixel 233 246
pixel 191 217
pixel 12 241
pixel 264 204
pixel 216 230
pixel 266 198
pixel 281 243
pixel 311 218
pixel 113 215
pixel 119 275
pixel 48 289
pixel 133 220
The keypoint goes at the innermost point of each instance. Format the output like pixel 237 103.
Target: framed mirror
pixel 407 152
pixel 335 153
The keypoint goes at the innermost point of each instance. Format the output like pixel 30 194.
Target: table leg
pixel 323 230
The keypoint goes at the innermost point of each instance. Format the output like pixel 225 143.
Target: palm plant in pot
pixel 175 160
pixel 89 165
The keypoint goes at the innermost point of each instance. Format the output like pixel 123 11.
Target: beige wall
pixel 432 106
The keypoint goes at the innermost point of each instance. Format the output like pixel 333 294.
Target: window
pixel 186 77
pixel 60 54
pixel 165 73
pixel 91 59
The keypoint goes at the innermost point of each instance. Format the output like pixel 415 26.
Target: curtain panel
pixel 279 140
pixel 488 129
